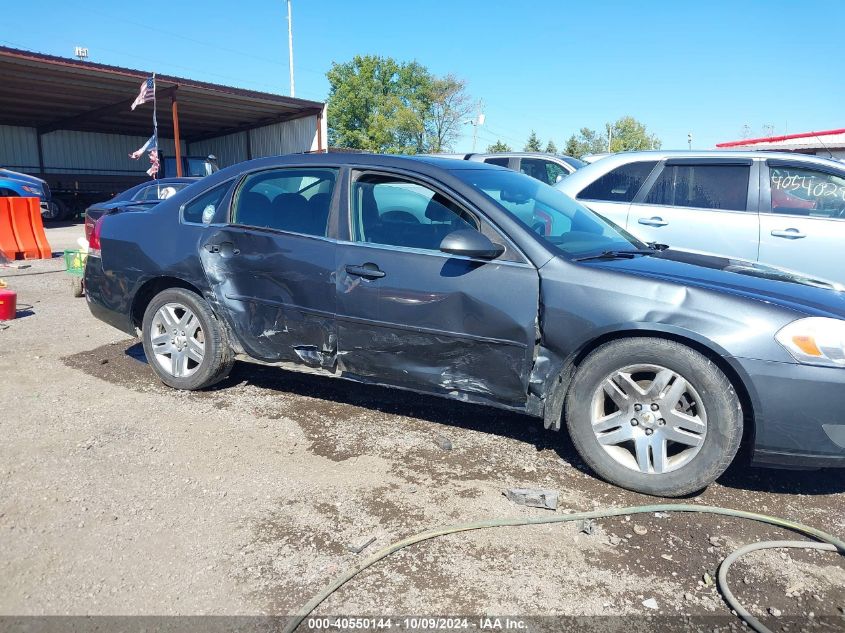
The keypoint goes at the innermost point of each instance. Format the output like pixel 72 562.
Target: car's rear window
pixel 620 184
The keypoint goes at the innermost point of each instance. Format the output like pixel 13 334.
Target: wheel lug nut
pixel 654 406
pixel 635 422
pixel 638 407
pixel 661 422
pixel 648 431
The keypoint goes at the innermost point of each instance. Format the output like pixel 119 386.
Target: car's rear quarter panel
pixel 137 247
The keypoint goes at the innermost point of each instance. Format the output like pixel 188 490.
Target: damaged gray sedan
pixel 477 283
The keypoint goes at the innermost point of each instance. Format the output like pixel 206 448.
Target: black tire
pixel 724 416
pixel 56 211
pixel 77 287
pixel 218 357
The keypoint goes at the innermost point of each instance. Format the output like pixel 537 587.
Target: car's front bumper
pixel 799 413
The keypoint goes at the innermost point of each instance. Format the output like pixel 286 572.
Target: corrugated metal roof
pixel 49 93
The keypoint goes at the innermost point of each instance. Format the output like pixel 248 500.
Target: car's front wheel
pixel 653 415
pixel 183 341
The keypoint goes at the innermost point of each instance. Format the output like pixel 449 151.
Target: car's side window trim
pixel 512 253
pixel 330 221
pixel 709 161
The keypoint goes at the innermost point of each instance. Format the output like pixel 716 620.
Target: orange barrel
pixel 8 304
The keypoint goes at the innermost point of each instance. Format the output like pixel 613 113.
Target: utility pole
pixel 609 135
pixel 478 120
pixel 689 140
pixel 290 50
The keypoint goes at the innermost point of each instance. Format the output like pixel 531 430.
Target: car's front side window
pixel 546 171
pixel 295 200
pixel 806 192
pixel 394 211
pixel 551 214
pixel 723 187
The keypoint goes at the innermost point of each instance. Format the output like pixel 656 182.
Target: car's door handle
pixel 653 221
pixel 223 248
pixel 367 271
pixel 790 234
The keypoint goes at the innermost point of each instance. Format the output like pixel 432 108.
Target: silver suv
pixel 548 168
pixel 782 209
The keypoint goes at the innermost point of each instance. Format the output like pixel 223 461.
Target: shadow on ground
pixel 741 475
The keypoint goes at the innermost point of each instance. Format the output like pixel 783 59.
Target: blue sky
pixel 708 68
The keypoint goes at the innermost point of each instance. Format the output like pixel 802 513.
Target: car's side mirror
pixel 471 243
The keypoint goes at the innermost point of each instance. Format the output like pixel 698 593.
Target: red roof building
pixel 824 143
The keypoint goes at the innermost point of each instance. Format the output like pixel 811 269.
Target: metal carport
pixel 69 121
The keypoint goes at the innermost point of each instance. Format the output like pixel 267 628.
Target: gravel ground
pixel 119 496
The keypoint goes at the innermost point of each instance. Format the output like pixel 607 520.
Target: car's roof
pixel 581 178
pixel 525 154
pixel 657 154
pixel 172 180
pixel 420 163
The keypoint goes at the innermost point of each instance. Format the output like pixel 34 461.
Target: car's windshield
pixel 551 214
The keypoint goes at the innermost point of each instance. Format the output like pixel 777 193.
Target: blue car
pixel 14 184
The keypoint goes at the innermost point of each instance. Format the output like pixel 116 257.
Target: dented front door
pixel 413 316
pixel 435 322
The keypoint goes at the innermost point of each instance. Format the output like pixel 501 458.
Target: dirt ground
pixel 119 496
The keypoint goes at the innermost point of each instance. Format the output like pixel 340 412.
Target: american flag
pixel 153 170
pixel 148 92
pixel 151 144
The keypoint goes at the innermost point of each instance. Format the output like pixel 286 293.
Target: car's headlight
pixel 815 340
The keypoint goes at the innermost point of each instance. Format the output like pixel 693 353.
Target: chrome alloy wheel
pixel 177 340
pixel 648 418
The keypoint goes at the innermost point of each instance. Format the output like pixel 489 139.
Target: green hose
pixel 823 537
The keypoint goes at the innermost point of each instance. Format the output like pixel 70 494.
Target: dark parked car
pixel 481 284
pixel 145 195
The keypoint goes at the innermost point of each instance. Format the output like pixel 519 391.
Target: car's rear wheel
pixel 653 415
pixel 183 341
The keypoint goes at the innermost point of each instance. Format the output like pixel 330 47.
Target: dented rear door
pixel 272 265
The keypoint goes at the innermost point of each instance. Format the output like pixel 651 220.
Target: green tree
pixel 498 146
pixel 628 134
pixel 450 105
pixel 551 148
pixel 379 105
pixel 587 141
pixel 533 143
